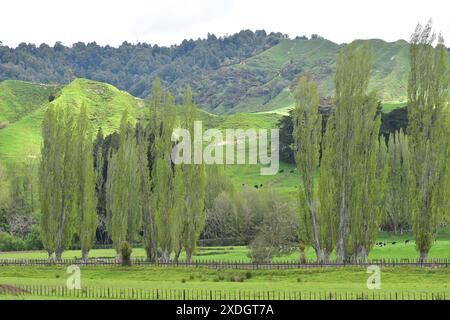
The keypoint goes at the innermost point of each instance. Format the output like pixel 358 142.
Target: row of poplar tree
pixel 362 179
pixel 146 194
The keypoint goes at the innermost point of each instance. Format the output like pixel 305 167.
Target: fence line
pixel 208 294
pixel 237 264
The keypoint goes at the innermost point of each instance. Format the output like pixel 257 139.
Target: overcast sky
pixel 167 22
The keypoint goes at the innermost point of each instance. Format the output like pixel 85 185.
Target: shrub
pixel 33 240
pixel 10 243
pixel 125 251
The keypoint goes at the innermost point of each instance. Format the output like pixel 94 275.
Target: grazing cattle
pixel 394 242
pixel 256 186
pixel 260 185
pixel 407 241
pixel 292 171
pixel 281 171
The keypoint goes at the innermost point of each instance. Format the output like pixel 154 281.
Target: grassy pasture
pixel 440 249
pixel 345 280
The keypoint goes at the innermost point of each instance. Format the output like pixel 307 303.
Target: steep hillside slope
pixel 22 136
pixel 246 72
pixel 264 82
pixel 18 98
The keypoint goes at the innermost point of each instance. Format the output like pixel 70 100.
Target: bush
pixel 125 251
pixel 10 243
pixel 33 240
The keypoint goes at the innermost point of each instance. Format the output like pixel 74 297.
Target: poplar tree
pixel 194 178
pixel 57 180
pixel 85 179
pixel 145 196
pixel 398 195
pixel 163 175
pixel 353 145
pixel 428 134
pixel 122 190
pixel 147 157
pixel 327 192
pixel 307 125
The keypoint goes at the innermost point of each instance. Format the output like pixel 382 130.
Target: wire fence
pixel 206 294
pixel 227 264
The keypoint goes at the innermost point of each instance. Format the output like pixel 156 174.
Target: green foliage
pixel 10 243
pixel 357 176
pixel 428 134
pixel 194 180
pixel 86 205
pixel 398 193
pixel 57 179
pixel 130 67
pixel 307 127
pixel 166 202
pixel 123 206
pixel 276 233
pixel 125 253
pixel 254 70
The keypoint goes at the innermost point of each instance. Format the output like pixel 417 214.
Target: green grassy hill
pixel 23 105
pixel 21 138
pixel 264 81
pixel 19 98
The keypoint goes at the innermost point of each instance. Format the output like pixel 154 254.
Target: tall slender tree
pixel 194 177
pixel 163 174
pixel 123 207
pixel 398 195
pixel 145 193
pixel 85 182
pixel 428 134
pixel 355 127
pixel 327 193
pixel 307 135
pixel 57 180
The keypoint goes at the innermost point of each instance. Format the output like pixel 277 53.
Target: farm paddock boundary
pixel 230 264
pixel 61 292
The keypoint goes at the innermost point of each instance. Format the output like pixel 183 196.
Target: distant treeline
pixel 131 67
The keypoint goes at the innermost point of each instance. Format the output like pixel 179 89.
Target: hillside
pixel 25 104
pixel 246 72
pixel 264 82
pixel 22 137
pixel 18 98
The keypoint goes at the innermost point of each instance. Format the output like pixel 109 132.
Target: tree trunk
pixel 423 256
pixel 326 256
pixel 188 256
pixel 177 255
pixel 85 255
pixel 302 255
pixel 363 254
pixel 320 255
pixel 149 253
pixel 50 257
pixel 58 254
pixel 165 256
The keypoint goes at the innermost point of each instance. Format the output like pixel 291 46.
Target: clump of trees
pixel 365 182
pixel 428 135
pixel 128 177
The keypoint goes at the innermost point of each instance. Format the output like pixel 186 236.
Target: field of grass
pixel 347 280
pixel 440 249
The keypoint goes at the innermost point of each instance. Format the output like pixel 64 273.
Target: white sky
pixel 166 22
